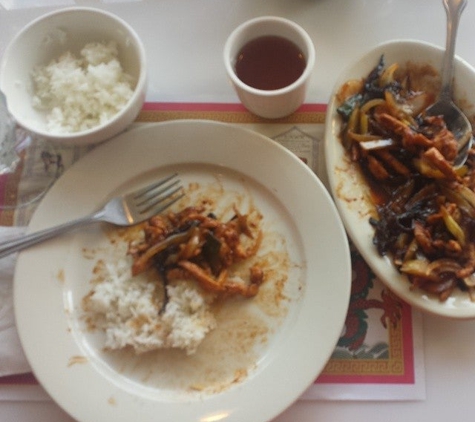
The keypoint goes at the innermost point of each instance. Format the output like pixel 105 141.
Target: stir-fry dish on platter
pixel 425 205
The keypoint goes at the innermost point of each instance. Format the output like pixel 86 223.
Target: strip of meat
pixel 223 286
pixel 434 157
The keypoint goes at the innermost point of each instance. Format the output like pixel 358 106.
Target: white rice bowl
pixel 48 38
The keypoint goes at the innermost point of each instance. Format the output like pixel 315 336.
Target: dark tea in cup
pixel 270 62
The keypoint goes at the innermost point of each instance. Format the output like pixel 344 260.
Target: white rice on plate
pixel 127 310
pixel 79 93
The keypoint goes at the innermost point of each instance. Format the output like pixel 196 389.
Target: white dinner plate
pixel 350 191
pixel 51 279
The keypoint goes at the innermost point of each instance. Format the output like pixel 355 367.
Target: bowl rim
pixel 139 86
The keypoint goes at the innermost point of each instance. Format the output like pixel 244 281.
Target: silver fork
pixel 125 210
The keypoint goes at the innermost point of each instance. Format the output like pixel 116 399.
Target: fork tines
pixel 158 196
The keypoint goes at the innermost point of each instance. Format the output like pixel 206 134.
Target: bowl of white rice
pixel 77 76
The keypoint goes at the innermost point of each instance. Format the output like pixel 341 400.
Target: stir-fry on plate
pixel 390 171
pixel 293 320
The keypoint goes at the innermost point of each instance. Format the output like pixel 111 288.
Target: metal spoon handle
pixel 453 9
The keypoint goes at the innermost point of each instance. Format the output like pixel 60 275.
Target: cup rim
pixel 310 59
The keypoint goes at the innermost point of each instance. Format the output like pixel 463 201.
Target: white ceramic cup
pixel 271 104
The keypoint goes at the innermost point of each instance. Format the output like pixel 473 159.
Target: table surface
pixel 184 41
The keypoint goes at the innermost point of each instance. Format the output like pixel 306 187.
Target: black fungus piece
pixel 211 249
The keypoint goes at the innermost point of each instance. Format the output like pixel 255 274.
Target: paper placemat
pixel 379 355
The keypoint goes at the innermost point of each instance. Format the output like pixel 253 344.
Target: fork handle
pixel 27 240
